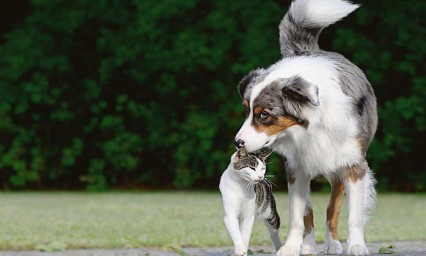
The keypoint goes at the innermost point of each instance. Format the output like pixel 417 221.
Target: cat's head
pixel 252 167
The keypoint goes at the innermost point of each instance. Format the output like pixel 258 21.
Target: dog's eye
pixel 264 115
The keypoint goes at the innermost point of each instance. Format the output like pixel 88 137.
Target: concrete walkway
pixel 406 248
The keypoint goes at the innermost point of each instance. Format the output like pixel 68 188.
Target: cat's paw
pixel 240 252
pixel 357 249
pixel 332 247
pixel 289 250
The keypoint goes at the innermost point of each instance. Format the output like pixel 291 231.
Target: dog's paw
pixel 332 247
pixel 289 250
pixel 357 249
pixel 308 245
pixel 308 249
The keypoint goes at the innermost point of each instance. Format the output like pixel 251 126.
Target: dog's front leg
pixel 356 189
pixel 298 187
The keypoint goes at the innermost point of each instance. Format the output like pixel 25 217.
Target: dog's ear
pixel 298 89
pixel 242 85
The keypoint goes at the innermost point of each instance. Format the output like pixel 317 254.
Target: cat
pixel 246 195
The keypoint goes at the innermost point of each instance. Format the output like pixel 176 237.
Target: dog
pixel 317 110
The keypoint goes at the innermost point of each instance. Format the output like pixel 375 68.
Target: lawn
pixel 53 221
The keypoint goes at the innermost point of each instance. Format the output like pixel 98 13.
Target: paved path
pixel 405 248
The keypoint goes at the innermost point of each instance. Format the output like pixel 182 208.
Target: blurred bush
pixel 101 94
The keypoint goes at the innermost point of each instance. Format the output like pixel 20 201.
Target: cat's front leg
pixel 246 228
pixel 233 227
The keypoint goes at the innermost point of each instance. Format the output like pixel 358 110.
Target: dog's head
pixel 273 106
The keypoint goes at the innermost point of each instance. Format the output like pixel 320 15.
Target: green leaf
pixel 387 249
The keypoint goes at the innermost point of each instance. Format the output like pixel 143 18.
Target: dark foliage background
pixel 142 94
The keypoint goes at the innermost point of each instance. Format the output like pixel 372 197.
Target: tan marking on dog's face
pixel 263 121
pixel 355 172
pixel 308 220
pixel 258 110
pixel 333 209
pixel 282 124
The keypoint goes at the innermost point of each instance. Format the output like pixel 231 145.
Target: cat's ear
pixel 241 153
pixel 264 153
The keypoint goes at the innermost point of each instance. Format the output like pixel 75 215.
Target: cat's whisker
pixel 248 180
pixel 270 176
pixel 252 185
pixel 247 185
pixel 270 186
pixel 273 183
pixel 267 182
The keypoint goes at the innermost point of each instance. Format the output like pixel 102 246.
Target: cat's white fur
pixel 239 203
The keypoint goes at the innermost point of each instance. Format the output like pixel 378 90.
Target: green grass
pixel 52 221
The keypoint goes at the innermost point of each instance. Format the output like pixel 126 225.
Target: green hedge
pixel 105 94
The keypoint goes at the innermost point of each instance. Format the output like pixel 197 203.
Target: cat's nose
pixel 238 143
pixel 260 177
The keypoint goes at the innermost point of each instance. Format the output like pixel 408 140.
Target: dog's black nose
pixel 238 143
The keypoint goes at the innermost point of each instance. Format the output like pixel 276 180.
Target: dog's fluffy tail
pixel 301 26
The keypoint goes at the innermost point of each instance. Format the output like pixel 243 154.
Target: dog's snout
pixel 238 143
